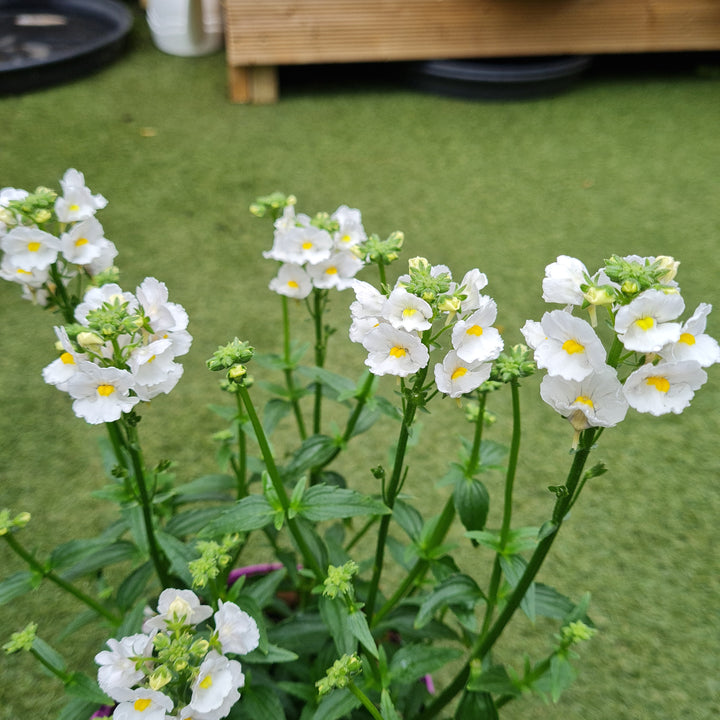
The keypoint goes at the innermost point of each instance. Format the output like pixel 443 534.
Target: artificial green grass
pixel 624 164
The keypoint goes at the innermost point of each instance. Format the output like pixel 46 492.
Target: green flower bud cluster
pixel 635 277
pixel 513 364
pixel 21 640
pixel 575 632
pixel 339 580
pixel 272 205
pixel 383 252
pixel 7 523
pixel 232 358
pixel 323 221
pixel 340 674
pixel 426 286
pixel 112 319
pixel 214 557
pixel 37 208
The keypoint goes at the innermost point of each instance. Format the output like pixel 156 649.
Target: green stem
pixel 393 488
pixel 68 587
pixel 474 460
pixel 512 463
pixel 381 271
pixel 289 379
pixel 361 533
pixel 138 472
pixel 364 699
pixel 487 640
pixel 308 558
pixel 241 466
pixel 319 299
pixel 421 565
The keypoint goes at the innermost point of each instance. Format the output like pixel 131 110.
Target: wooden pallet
pixel 262 34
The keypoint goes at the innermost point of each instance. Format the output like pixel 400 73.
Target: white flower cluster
pixel 29 252
pixel 661 360
pixel 152 674
pixel 393 328
pixel 313 256
pixel 123 350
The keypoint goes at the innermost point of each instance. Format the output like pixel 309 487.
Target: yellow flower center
pixel 585 400
pixel 458 373
pixel 33 246
pixel 80 242
pixel 687 338
pixel 572 347
pixel 474 330
pixel 331 271
pixel 142 704
pixel 74 207
pixel 659 383
pixel 105 390
pixel 206 682
pixel 345 238
pixel 409 312
pixel 67 359
pixel 307 245
pixel 293 284
pixel 646 323
pixel 20 271
pixel 398 352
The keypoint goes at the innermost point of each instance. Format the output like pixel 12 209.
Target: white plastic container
pixel 186 27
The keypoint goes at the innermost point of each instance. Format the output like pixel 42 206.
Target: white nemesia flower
pixel 406 311
pixel 152 294
pixel 8 195
pixel 351 231
pixel 60 370
pixel 215 689
pixel 101 394
pixel 30 248
pixel 570 348
pixel 142 704
pixel 472 283
pixel 694 344
pixel 360 327
pixel 291 281
pixel 665 387
pixel 176 606
pixel 369 301
pixel 117 665
pixel 10 270
pixel 644 325
pixel 153 369
pixel 300 245
pixel 562 281
pixel 474 338
pixel 237 631
pixel 76 202
pixel 104 261
pixel 456 377
pixel 533 333
pixel 82 243
pixel 337 271
pixel 595 401
pixel 394 352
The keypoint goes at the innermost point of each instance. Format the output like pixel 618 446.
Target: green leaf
pixel 264 589
pixel 274 655
pixel 357 622
pixel 408 518
pixel 132 587
pixel 562 675
pixel 74 551
pixel 458 592
pixel 48 654
pixel 336 617
pixel 208 487
pixel 275 410
pixel 314 451
pixel 339 384
pixel 472 503
pixel 387 708
pixel 179 554
pixel 326 502
pixel 116 552
pixel 191 522
pixel 524 538
pixel 260 703
pixel 304 633
pixel 476 706
pixel 78 709
pixel 336 705
pixel 411 662
pixel 251 513
pixel 16 585
pixel 552 604
pixel 226 412
pixel 494 680
pixel 80 685
pixel 514 566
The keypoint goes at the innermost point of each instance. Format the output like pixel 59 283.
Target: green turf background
pixel 627 163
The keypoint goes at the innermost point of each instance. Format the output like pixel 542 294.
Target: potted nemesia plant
pixel 200 626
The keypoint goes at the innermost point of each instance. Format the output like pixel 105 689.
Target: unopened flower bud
pixel 160 678
pixel 449 304
pixel 89 341
pixel 630 287
pixel 418 263
pixel 598 296
pixel 200 647
pixel 22 640
pixel 41 216
pixel 665 262
pixel 237 372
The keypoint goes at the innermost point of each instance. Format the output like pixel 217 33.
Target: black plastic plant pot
pixel 46 42
pixel 500 78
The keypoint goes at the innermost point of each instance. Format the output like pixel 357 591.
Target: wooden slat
pixel 279 32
